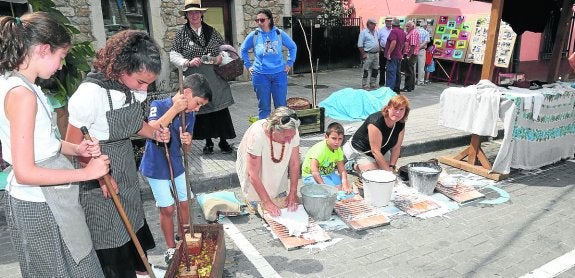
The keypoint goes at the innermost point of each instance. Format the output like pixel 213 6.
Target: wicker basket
pixel 298 103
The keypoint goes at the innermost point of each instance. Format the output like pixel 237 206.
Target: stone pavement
pixel 478 240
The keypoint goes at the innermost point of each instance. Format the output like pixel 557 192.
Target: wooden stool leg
pixel 474 154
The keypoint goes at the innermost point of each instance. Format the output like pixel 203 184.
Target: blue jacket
pixel 268 57
pixel 154 163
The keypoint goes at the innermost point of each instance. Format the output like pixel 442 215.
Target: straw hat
pixel 192 5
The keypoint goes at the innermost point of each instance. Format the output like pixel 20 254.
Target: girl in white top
pixel 43 207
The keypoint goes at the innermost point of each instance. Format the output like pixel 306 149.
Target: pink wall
pixel 382 8
pixel 530 46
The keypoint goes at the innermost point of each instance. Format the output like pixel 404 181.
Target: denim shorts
pixel 162 190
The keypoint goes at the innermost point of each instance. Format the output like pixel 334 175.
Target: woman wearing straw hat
pixel 196 48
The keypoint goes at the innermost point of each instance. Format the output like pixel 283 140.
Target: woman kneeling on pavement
pixel 377 142
pixel 267 149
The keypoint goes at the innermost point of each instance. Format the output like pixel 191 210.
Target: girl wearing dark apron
pixel 108 103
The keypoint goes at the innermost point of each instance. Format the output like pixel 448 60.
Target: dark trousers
pixel 393 74
pixel 382 63
pixel 410 72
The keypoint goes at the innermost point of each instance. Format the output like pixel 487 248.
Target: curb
pixel 230 180
pixel 418 148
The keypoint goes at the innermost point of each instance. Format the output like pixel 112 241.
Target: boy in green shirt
pixel 321 160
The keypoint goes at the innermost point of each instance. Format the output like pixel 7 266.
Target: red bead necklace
pixel 275 160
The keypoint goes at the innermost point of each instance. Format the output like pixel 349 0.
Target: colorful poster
pixel 505 43
pixel 451 37
pixel 429 22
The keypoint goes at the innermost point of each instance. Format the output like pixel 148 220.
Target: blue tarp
pixel 355 104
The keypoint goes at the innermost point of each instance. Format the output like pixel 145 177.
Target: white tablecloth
pixel 539 124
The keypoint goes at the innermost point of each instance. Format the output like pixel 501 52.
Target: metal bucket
pixel 423 176
pixel 319 200
pixel 378 186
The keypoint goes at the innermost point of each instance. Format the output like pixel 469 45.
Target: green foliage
pixel 65 82
pixel 336 8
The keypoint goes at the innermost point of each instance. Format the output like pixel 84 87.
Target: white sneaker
pixel 169 255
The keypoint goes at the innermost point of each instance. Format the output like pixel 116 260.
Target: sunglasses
pixel 286 119
pixel 261 20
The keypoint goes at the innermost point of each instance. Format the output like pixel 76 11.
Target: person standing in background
pixel 394 54
pixel 429 62
pixel 269 70
pixel 410 51
pixel 45 219
pixel 423 40
pixel 196 48
pixel 369 50
pixel 383 33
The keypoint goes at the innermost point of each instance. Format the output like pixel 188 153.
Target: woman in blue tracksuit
pixel 269 70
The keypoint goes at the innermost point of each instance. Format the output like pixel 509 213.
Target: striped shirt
pixel 411 42
pixel 424 36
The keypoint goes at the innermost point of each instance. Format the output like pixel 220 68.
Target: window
pixel 13 8
pixel 124 14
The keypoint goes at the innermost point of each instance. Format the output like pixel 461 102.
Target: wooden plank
pixel 314 232
pixel 358 214
pixel 475 169
pixel 460 193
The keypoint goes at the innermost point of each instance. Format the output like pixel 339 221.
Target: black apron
pixel 106 225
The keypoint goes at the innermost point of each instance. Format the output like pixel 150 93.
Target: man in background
pixel 383 33
pixel 394 54
pixel 369 50
pixel 410 51
pixel 423 40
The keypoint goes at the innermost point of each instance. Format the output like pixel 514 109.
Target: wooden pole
pixel 492 35
pixel 560 37
pixel 186 159
pixel 177 206
pixel 123 215
pixel 313 92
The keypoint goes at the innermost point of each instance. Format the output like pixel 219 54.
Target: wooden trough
pixel 208 231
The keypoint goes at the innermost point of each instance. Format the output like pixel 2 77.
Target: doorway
pixel 218 16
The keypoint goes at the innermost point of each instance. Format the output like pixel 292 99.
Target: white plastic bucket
pixel 377 187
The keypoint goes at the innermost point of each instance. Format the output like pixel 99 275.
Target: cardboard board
pixel 478 42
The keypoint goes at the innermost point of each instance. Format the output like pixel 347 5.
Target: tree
pixel 76 64
pixel 335 10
